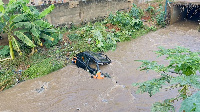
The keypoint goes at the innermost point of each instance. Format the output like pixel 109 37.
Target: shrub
pixel 160 17
pixel 135 12
pixel 185 64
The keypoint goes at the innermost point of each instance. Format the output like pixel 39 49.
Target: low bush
pixel 103 36
pixel 160 17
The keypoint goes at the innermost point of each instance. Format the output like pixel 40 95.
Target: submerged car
pixel 90 61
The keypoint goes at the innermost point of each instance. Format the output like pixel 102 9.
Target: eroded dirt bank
pixel 71 89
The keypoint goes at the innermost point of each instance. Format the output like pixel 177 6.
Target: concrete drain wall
pixel 78 12
pixel 184 11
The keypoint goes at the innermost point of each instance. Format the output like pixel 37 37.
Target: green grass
pixel 28 67
pixel 95 37
pixel 42 68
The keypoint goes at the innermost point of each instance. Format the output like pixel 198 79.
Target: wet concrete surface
pixel 72 90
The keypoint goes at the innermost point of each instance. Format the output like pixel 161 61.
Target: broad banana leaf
pixel 60 36
pixel 42 24
pixel 11 2
pixel 26 8
pixel 1 2
pixel 2 25
pixel 1 7
pixel 4 17
pixel 10 18
pixel 51 30
pixel 25 24
pixel 23 1
pixel 46 11
pixel 38 41
pixel 18 18
pixel 23 30
pixel 11 5
pixel 16 45
pixel 24 38
pixel 35 31
pixel 47 37
pixel 15 4
pixel 20 2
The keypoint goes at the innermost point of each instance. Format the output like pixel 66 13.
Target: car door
pixel 92 66
pixel 81 61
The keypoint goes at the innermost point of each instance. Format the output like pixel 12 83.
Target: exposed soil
pixel 111 26
pixel 71 89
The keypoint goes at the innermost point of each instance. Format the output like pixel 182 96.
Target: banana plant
pixel 25 24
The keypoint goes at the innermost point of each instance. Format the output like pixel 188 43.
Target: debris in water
pixel 105 101
pixel 43 87
pixel 40 90
pixel 123 86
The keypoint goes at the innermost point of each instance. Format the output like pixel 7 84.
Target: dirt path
pixel 71 89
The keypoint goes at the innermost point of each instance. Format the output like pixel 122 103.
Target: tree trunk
pixel 11 49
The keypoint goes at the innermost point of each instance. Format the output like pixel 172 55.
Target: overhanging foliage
pixel 185 64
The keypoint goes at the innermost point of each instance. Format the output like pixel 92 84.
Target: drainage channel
pixel 181 10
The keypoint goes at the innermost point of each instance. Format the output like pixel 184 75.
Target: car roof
pixel 98 57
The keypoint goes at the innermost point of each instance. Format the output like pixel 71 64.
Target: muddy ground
pixel 71 89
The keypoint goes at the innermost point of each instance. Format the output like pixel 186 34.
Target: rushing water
pixel 71 89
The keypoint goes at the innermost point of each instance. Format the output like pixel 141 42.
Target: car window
pixel 100 57
pixel 84 58
pixel 92 64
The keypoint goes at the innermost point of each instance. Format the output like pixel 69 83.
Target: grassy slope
pixel 100 36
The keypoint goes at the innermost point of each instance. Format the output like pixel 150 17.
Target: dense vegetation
pixel 180 73
pixel 25 23
pixel 26 30
pixel 34 43
pixel 27 58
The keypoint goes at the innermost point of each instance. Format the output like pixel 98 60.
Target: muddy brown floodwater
pixel 71 89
